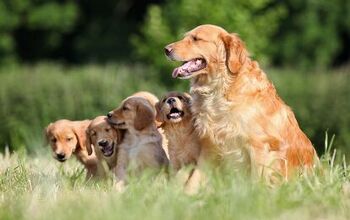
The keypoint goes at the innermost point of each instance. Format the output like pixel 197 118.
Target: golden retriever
pixel 105 140
pixel 174 112
pixel 238 114
pixel 142 143
pixel 69 137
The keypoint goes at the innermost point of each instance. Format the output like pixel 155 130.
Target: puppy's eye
pixel 69 139
pixel 180 97
pixel 194 38
pixel 53 140
pixel 107 129
pixel 163 100
pixel 125 108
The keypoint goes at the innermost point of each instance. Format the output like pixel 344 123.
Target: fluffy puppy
pixel 142 143
pixel 174 112
pixel 238 113
pixel 69 137
pixel 104 140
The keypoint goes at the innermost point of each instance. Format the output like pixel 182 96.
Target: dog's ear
pixel 46 135
pixel 88 141
pixel 144 116
pixel 79 130
pixel 236 53
pixel 188 97
pixel 159 116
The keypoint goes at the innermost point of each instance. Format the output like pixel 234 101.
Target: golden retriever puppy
pixel 105 140
pixel 174 112
pixel 142 143
pixel 238 114
pixel 69 137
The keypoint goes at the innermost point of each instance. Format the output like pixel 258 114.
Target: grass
pixel 41 188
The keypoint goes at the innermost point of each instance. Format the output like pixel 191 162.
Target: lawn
pixel 40 188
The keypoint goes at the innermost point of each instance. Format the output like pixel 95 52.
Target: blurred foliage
pixel 33 96
pixel 49 19
pixel 297 33
pixel 255 21
pixel 315 33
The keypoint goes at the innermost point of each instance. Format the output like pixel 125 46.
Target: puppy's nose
pixel 60 156
pixel 171 100
pixel 109 115
pixel 168 49
pixel 103 143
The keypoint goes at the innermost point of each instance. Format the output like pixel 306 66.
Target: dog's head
pixel 103 137
pixel 65 137
pixel 206 51
pixel 174 107
pixel 135 113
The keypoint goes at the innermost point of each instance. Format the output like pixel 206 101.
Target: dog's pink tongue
pixel 181 70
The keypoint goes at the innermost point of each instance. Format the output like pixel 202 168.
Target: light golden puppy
pixel 142 143
pixel 238 114
pixel 69 137
pixel 174 112
pixel 105 140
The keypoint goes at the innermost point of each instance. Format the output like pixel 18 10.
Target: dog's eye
pixel 92 133
pixel 181 98
pixel 53 140
pixel 163 100
pixel 194 38
pixel 69 139
pixel 107 129
pixel 125 108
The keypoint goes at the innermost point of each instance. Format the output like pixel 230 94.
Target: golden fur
pixel 142 143
pixel 69 137
pixel 174 112
pixel 238 114
pixel 105 140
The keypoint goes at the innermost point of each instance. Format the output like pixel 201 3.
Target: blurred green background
pixel 79 59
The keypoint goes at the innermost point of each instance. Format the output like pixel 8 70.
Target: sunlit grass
pixel 41 188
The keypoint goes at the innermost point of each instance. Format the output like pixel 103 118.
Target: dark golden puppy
pixel 104 139
pixel 237 111
pixel 142 143
pixel 174 112
pixel 69 137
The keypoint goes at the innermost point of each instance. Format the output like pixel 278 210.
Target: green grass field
pixel 34 186
pixel 41 188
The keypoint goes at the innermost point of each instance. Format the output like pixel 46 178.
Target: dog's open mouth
pixel 175 114
pixel 108 150
pixel 186 70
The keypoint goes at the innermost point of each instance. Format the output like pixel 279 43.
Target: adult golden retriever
pixel 238 114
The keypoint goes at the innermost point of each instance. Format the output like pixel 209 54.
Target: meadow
pixel 34 186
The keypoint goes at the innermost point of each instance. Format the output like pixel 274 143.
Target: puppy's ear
pixel 79 130
pixel 88 141
pixel 144 116
pixel 46 135
pixel 188 98
pixel 236 53
pixel 159 116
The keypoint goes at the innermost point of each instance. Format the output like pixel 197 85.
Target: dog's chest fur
pixel 222 130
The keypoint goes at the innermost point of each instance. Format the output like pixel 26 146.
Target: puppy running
pixel 173 111
pixel 69 137
pixel 142 143
pixel 105 140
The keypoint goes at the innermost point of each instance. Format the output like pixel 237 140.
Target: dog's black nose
pixel 103 143
pixel 170 100
pixel 168 49
pixel 109 115
pixel 60 156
